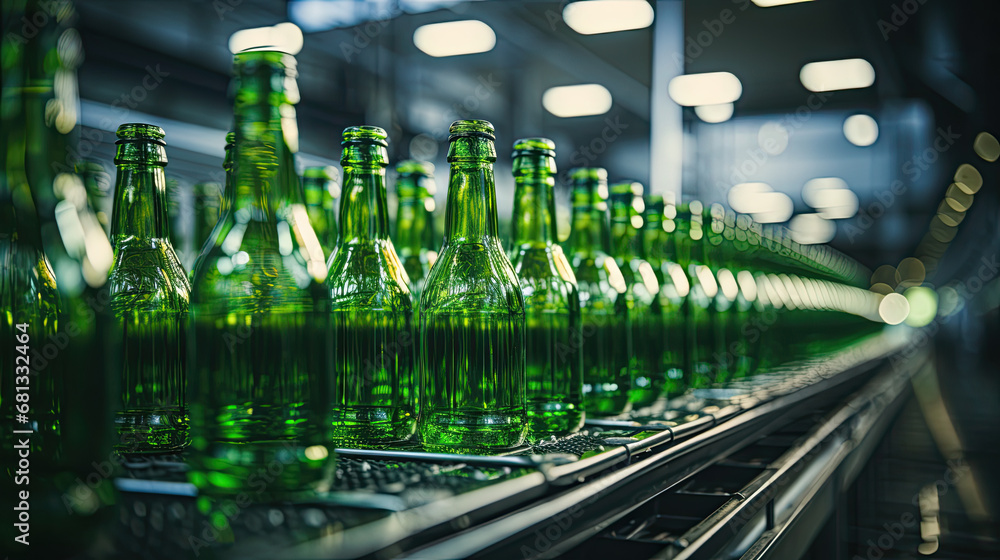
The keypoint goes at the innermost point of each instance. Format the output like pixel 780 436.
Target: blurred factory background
pixel 864 123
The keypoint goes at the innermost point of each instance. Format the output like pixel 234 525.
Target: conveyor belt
pixel 388 502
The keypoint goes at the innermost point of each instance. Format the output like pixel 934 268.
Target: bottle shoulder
pixel 543 262
pixel 472 278
pixel 29 285
pixel 147 275
pixel 368 274
pixel 255 267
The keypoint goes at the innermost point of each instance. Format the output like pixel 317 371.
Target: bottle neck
pixel 591 232
pixel 140 210
pixel 689 240
pixel 626 239
pixel 263 174
pixel 364 214
pixel 471 213
pixel 534 203
pixel 652 238
pixel 415 223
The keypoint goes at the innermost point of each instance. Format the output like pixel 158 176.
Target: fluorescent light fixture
pixel 814 186
pixel 773 3
pixel 811 229
pixel 923 306
pixel 590 17
pixel 742 197
pixel 453 38
pixel 714 113
pixel 832 75
pixel 762 202
pixel 836 204
pixel 894 308
pixel 284 37
pixel 861 130
pixel 577 101
pixel 773 207
pixel 712 88
pixel 831 197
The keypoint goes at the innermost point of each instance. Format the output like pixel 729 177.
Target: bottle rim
pixel 415 167
pixel 472 128
pixel 365 134
pixel 534 146
pixel 140 132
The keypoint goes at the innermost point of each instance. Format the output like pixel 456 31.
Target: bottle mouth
pixel 585 176
pixel 630 188
pixel 265 53
pixel 414 167
pixel 325 172
pixel 365 135
pixel 472 128
pixel 140 132
pixel 534 146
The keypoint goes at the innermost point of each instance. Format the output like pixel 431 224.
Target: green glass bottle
pixel 371 368
pixel 255 355
pixel 415 221
pixel 321 185
pixel 98 186
pixel 554 364
pixel 718 258
pixel 472 395
pixel 207 207
pixel 149 295
pixel 602 288
pixel 54 402
pixel 648 380
pixel 689 239
pixel 660 254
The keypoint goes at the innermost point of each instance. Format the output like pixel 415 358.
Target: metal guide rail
pixel 384 503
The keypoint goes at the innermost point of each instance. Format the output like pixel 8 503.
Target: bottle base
pixel 262 471
pixel 553 418
pixel 604 406
pixel 161 430
pixel 473 432
pixel 363 426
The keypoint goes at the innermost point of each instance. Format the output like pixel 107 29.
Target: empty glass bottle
pixel 149 294
pixel 322 189
pixel 370 376
pixel 207 206
pixel 689 239
pixel 659 252
pixel 472 314
pixel 254 354
pixel 415 221
pixel 54 401
pixel 602 289
pixel 554 366
pixel 648 380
